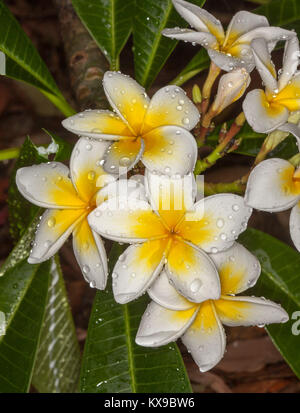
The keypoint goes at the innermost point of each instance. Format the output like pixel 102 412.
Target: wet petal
pixel 199 18
pixel 53 230
pixel 192 272
pixel 205 39
pixel 290 95
pixel 127 98
pixel 171 197
pixel 97 124
pixel 90 254
pixel 290 61
pixel 124 154
pixel 205 339
pixel 170 150
pixel 171 106
pixel 263 116
pixel 291 128
pixel 238 57
pixel 249 311
pixel 160 326
pixel 86 166
pixel 274 179
pixel 122 188
pixel 295 225
pixel 264 64
pixel 238 269
pixel 231 87
pixel 271 34
pixel 126 220
pixel 136 269
pixel 216 222
pixel 242 22
pixel 164 294
pixel 48 185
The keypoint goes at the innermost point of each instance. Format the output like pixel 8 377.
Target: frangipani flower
pixel 69 200
pixel 268 110
pixel 167 229
pixel 155 131
pixel 274 186
pixel 170 315
pixel 227 50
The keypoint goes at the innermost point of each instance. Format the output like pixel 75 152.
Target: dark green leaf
pixel 112 362
pixel 151 48
pixel 24 62
pixel 109 22
pixel 252 142
pixel 23 293
pixel 198 63
pixel 280 282
pixel 57 365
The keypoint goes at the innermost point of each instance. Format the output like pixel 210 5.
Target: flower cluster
pixel 183 250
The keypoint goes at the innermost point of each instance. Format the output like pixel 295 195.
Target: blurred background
pixel 251 364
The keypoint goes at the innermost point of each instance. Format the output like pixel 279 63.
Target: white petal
pixel 164 294
pixel 199 18
pixel 293 129
pixel 205 339
pixel 97 124
pixel 264 64
pixel 242 22
pixel 262 116
pixel 238 269
pixel 170 150
pixel 123 155
pixel 192 272
pixel 271 187
pixel 136 269
pixel 249 311
pixel 171 106
pixel 295 225
pixel 205 39
pixel 48 185
pixel 231 87
pixel 216 222
pixel 160 326
pixel 53 230
pixel 122 188
pixel 127 98
pixel 90 255
pixel 86 167
pixel 290 61
pixel 126 220
pixel 229 62
pixel 271 34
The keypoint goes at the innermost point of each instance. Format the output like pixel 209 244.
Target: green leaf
pixel 199 62
pixel 63 149
pixel 282 13
pixel 112 362
pixel 109 22
pixel 252 142
pixel 151 48
pixel 23 61
pixel 279 281
pixel 23 293
pixel 57 365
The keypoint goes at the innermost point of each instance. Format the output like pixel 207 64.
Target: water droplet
pixel 235 207
pixel 51 222
pixel 195 285
pixel 220 223
pixel 91 175
pixel 85 269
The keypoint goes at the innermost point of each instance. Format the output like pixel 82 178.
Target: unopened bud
pixel 197 97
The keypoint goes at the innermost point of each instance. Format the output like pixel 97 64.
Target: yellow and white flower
pixel 69 196
pixel 269 109
pixel 170 315
pixel 155 131
pixel 168 230
pixel 274 186
pixel 228 50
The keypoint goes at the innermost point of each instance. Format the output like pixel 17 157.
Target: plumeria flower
pixel 69 196
pixel 168 230
pixel 274 186
pixel 155 131
pixel 227 50
pixel 269 109
pixel 170 315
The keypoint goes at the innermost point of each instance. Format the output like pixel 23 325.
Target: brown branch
pixel 86 63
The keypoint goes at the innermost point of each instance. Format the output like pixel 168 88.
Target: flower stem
pixel 9 153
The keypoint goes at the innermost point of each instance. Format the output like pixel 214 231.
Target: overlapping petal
pixel 295 225
pixel 264 64
pixel 123 154
pixel 274 179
